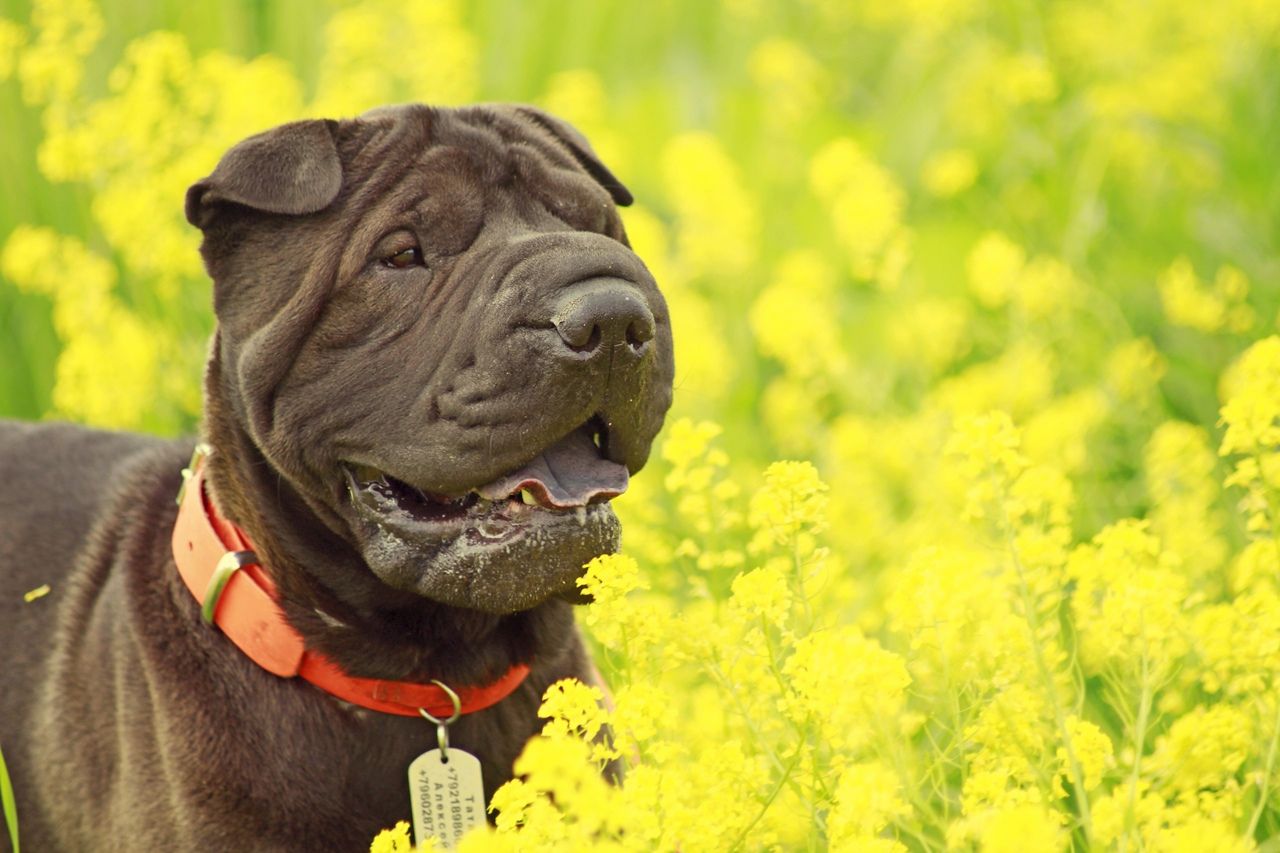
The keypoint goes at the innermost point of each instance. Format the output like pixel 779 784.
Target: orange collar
pixel 217 562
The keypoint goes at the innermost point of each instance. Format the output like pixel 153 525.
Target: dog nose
pixel 601 313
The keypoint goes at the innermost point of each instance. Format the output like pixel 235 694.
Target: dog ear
pixel 572 139
pixel 292 169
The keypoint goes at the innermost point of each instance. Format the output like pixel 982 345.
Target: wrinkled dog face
pixel 431 324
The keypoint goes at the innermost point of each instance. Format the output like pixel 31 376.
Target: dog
pixel 436 359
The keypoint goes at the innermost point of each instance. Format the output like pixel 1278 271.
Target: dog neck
pixel 340 609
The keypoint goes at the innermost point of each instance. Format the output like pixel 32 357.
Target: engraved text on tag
pixel 447 796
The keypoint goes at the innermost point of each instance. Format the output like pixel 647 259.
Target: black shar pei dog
pixel 436 360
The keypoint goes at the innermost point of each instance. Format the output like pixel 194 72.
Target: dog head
pixel 432 329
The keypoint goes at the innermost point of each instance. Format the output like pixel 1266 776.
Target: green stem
pixel 802 731
pixel 773 795
pixel 756 735
pixel 1059 715
pixel 800 591
pixel 1273 504
pixel 1272 497
pixel 1264 792
pixel 1139 742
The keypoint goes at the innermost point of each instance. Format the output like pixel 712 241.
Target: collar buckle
pixel 231 562
pixel 198 456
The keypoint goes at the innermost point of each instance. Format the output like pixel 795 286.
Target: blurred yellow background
pixel 991 266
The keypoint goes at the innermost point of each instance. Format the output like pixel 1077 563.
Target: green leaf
pixel 10 804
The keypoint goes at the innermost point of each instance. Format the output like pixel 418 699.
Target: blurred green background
pixel 667 56
pixel 853 152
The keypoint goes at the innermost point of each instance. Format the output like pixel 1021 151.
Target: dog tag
pixel 447 796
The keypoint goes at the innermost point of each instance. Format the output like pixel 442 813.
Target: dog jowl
pixel 436 360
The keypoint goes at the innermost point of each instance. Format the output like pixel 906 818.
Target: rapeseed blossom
pixel 866 207
pixel 995 284
pixel 949 172
pixel 717 222
pixel 1209 308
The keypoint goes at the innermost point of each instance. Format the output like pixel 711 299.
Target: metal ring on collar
pixel 442 726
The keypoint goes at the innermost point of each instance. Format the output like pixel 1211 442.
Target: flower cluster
pixel 1002 276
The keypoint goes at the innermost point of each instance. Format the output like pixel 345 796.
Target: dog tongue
pixel 569 473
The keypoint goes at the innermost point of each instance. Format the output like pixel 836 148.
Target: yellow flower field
pixel 964 530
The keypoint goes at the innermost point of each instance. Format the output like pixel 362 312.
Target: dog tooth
pixel 581 513
pixel 490 529
pixel 527 497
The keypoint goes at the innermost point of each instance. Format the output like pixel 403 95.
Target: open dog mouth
pixel 503 546
pixel 570 478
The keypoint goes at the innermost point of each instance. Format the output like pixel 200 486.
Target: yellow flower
pixel 108 369
pixel 1058 434
pixel 1134 369
pixel 1046 287
pixel 1189 302
pixel 610 577
pixel 718 218
pixel 12 37
pixel 1022 828
pixel 848 683
pixel 1252 417
pixel 1180 468
pixel 988 450
pixel 688 442
pixel 1009 739
pixel 704 367
pixel 608 580
pixel 63 34
pixel 1204 750
pixel 397 840
pixel 358 72
pixel 1235 642
pixel 795 319
pixel 791 502
pixel 1026 78
pixel 789 77
pixel 865 203
pixel 1202 835
pixel 1091 748
pixel 949 172
pixel 957 618
pixel 564 770
pixel 787 409
pixel 930 332
pixel 512 803
pixel 572 709
pixel 641 708
pixel 994 266
pixel 105 374
pixel 1020 381
pixel 1252 410
pixel 867 799
pixel 1128 602
pixel 762 593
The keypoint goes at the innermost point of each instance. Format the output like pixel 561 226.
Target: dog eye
pixel 404 259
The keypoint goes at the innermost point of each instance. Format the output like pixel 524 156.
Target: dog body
pixel 436 359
